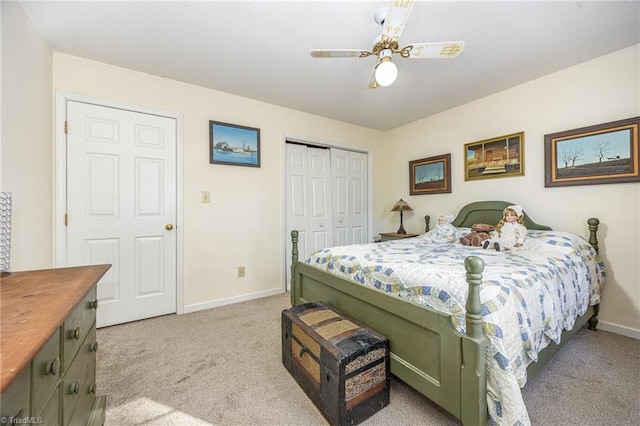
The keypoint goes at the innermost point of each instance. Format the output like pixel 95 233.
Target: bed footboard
pixel 427 352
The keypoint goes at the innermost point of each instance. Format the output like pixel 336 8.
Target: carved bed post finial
pixel 474 266
pixel 593 229
pixel 294 250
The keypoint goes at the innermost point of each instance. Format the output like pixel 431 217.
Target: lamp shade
pixel 401 205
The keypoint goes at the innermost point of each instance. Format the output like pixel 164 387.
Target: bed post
pixel 593 222
pixel 593 229
pixel 294 260
pixel 427 219
pixel 473 386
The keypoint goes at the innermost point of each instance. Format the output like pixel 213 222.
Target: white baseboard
pixel 222 302
pixel 619 329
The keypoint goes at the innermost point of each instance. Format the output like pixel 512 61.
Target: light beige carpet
pixel 223 367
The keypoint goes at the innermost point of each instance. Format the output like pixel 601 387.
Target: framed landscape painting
pixel 605 153
pixel 430 175
pixel 233 144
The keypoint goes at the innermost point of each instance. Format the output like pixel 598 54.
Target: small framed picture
pixel 605 153
pixel 233 144
pixel 494 158
pixel 430 175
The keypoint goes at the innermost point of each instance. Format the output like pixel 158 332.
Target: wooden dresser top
pixel 34 304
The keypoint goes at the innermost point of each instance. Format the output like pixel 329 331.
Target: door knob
pixel 168 227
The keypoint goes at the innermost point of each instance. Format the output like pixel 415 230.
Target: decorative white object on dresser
pixel 48 371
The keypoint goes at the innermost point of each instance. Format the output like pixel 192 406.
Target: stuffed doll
pixel 479 233
pixel 510 232
pixel 444 231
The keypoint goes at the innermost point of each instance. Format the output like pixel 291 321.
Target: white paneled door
pixel 308 199
pixel 326 198
pixel 121 207
pixel 349 192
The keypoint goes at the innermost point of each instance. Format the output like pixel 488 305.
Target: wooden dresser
pixel 48 347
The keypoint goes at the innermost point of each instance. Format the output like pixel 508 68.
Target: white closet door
pixel 349 192
pixel 308 200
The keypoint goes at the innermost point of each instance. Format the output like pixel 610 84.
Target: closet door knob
pixel 168 227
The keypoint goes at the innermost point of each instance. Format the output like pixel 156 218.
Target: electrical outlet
pixel 240 271
pixel 206 197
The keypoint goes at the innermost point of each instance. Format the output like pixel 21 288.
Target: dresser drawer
pixel 46 371
pixel 50 413
pixel 77 325
pixel 75 381
pixel 86 399
pixel 14 402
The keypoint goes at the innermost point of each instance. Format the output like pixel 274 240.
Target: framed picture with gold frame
pixel 604 153
pixel 494 158
pixel 430 175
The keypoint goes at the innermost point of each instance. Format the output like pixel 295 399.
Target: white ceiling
pixel 260 49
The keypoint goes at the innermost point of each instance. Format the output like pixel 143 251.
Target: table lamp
pixel 401 206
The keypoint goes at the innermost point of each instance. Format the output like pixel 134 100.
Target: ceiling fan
pixel 393 20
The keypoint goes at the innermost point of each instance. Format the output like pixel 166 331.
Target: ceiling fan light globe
pixel 386 73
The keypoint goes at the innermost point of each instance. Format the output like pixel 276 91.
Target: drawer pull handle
pixel 94 347
pixel 74 388
pixel 75 334
pixel 92 388
pixel 94 304
pixel 53 367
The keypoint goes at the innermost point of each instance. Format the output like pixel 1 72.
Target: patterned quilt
pixel 529 295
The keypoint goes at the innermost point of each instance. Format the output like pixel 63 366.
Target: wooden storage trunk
pixel 342 366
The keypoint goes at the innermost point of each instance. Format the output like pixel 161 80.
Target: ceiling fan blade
pixel 445 49
pixel 396 18
pixel 339 53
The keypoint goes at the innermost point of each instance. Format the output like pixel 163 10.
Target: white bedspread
pixel 528 295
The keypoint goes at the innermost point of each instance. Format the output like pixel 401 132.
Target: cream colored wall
pixel 243 224
pixel 247 230
pixel 26 138
pixel 598 91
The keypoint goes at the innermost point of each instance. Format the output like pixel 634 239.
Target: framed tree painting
pixel 430 175
pixel 604 153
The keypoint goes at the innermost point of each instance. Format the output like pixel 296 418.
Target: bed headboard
pixel 489 212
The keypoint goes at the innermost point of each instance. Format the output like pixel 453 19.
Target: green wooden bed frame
pixel 427 352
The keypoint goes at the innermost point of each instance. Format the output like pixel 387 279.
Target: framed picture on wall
pixel 604 153
pixel 494 158
pixel 430 175
pixel 234 144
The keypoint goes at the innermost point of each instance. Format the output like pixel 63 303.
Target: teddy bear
pixel 479 233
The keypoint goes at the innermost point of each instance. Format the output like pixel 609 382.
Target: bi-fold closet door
pixel 326 198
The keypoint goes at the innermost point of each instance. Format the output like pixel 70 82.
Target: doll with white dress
pixel 444 231
pixel 510 233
